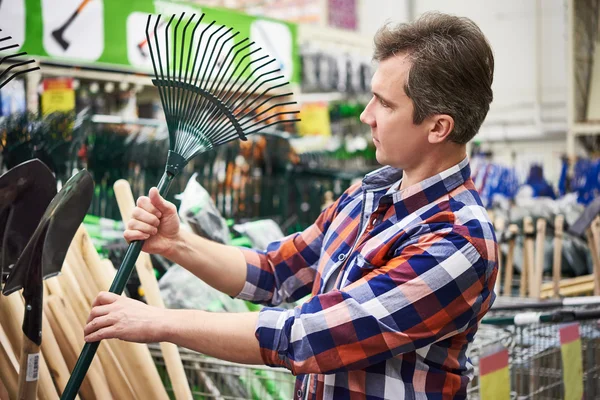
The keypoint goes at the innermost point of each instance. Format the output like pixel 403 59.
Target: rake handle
pixel 118 285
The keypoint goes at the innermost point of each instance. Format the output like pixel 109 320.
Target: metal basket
pixel 210 378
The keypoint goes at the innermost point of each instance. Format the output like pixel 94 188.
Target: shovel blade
pixel 49 243
pixel 25 192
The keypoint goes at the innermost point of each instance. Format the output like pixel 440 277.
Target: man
pixel 400 268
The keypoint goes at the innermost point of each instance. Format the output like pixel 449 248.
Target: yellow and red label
pixel 570 348
pixel 494 379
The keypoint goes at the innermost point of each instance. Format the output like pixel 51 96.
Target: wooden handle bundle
pixel 152 292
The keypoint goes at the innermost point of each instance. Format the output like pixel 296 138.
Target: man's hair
pixel 452 68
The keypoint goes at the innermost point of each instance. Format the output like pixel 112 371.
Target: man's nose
pixel 366 116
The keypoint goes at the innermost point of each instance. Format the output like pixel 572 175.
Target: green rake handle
pixel 118 285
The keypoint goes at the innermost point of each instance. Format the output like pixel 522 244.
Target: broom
pixel 206 105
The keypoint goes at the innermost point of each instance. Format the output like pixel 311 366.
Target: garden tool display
pixel 19 64
pixel 205 107
pixel 42 258
pixel 25 192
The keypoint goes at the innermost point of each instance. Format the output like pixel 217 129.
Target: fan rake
pixel 214 89
pixel 17 62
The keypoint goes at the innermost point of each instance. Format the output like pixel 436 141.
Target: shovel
pixel 25 192
pixel 42 258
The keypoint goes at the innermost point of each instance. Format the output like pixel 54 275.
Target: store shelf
pixel 585 128
pixel 115 119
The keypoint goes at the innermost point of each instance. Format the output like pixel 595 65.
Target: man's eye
pixel 384 104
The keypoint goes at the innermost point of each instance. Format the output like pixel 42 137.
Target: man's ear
pixel 441 126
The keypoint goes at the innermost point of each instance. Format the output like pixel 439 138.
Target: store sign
pixel 58 95
pixel 113 32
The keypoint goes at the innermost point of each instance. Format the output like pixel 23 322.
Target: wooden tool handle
pixel 8 365
pixel 557 256
pixel 499 226
pixel 509 265
pixel 145 272
pixel 592 236
pixel 539 257
pixel 29 371
pixel 528 275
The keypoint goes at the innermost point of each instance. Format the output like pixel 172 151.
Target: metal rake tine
pixel 238 76
pixel 242 124
pixel 213 109
pixel 189 95
pixel 210 90
pixel 270 108
pixel 19 64
pixel 248 95
pixel 275 123
pixel 5 38
pixel 266 101
pixel 271 116
pixel 177 89
pixel 12 46
pixel 167 68
pixel 21 72
pixel 233 58
pixel 234 102
pixel 206 79
pixel 191 107
pixel 220 85
pixel 204 114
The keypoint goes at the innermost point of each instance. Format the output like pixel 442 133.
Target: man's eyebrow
pixel 381 98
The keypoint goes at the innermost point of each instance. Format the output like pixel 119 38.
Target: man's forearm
pixel 227 336
pixel 222 267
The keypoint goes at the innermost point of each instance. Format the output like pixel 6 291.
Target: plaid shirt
pixel 399 281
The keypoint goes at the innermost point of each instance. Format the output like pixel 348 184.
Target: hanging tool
pixel 205 107
pixel 42 258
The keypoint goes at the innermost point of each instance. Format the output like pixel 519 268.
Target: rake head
pixel 15 64
pixel 214 87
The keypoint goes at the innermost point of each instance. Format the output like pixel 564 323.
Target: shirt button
pixel 341 257
pixel 299 393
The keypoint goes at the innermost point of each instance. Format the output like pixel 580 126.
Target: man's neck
pixel 431 166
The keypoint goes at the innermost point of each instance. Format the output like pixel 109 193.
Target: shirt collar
pixel 420 194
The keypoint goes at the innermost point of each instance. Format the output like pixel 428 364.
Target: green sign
pixel 113 32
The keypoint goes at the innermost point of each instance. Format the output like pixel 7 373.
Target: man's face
pixel 398 141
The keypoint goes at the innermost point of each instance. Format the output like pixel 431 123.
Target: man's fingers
pixel 105 298
pixel 146 204
pixel 108 332
pixel 142 215
pixel 135 225
pixel 98 311
pixel 161 204
pixel 131 235
pixel 98 323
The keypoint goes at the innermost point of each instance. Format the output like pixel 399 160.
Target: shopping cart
pixel 535 361
pixel 211 378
